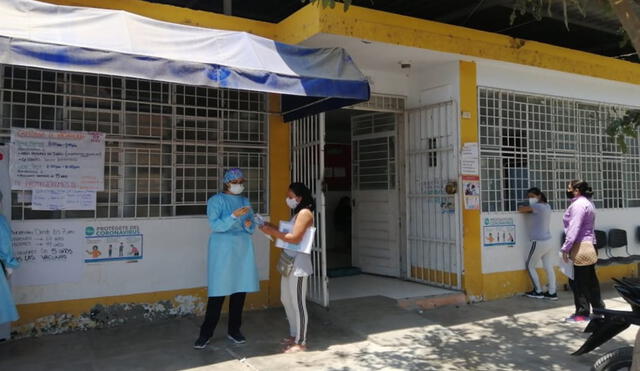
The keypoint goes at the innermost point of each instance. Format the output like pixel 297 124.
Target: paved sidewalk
pixel 370 333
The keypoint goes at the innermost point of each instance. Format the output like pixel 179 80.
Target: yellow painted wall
pixel 472 280
pixel 504 284
pixel 279 180
pixel 373 25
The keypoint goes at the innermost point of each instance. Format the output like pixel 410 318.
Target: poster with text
pixel 113 243
pixel 48 253
pixel 499 232
pixel 54 160
pixel 63 199
pixel 469 159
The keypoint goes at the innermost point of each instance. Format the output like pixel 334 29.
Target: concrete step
pixel 433 301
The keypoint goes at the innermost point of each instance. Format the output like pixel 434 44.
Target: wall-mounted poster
pixel 113 243
pixel 499 232
pixel 46 159
pixel 471 189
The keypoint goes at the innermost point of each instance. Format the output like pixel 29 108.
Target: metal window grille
pixel 383 103
pixel 373 151
pixel 531 140
pixel 167 144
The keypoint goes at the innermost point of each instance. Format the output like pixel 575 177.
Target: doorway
pixel 362 198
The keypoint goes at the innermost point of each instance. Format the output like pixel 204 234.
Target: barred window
pixel 542 141
pixel 167 144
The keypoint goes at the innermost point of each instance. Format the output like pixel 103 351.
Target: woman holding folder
pixel 295 267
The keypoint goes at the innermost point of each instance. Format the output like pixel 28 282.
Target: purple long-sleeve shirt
pixel 579 222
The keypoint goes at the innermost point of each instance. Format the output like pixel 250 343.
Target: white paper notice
pixel 44 159
pixel 48 253
pixel 44 199
pixel 469 159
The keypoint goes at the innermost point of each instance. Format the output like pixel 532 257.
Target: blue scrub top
pixel 8 312
pixel 232 261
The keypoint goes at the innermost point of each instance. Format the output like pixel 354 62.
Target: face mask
pixel 292 203
pixel 533 201
pixel 236 189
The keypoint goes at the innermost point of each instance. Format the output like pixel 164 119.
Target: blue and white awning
pixel 118 43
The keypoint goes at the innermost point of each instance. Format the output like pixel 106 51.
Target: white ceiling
pixel 381 56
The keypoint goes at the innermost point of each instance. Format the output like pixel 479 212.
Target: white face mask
pixel 533 201
pixel 236 189
pixel 292 203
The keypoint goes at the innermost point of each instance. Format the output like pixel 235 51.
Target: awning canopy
pixel 118 43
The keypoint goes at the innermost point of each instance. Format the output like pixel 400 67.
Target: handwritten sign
pixel 61 199
pixel 48 252
pixel 42 159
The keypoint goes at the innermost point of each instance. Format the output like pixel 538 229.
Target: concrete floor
pixel 364 285
pixel 370 333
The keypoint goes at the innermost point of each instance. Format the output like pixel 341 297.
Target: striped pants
pixel 293 294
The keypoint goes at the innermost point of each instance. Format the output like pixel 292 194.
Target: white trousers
pixel 293 294
pixel 542 250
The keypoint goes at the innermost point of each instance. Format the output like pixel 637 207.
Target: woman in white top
pixel 294 285
pixel 541 247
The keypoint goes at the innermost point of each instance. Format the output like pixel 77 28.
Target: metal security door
pixel 307 159
pixel 375 241
pixel 433 216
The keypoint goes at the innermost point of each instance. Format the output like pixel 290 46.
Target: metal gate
pixel 307 166
pixel 433 216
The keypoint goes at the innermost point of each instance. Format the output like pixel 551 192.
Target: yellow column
pixel 279 179
pixel 472 242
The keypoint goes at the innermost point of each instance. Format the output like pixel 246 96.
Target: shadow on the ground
pixel 367 333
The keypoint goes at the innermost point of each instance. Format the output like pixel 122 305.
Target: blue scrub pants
pixel 214 307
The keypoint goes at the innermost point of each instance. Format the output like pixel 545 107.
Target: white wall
pixel 386 82
pixel 174 257
pixel 435 83
pixel 547 82
pixel 504 259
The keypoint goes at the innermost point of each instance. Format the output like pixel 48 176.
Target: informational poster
pixel 113 243
pixel 471 188
pixel 469 164
pixel 499 232
pixel 48 253
pixel 63 199
pixel 43 159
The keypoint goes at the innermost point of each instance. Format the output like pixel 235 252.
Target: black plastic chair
pixel 601 243
pixel 618 240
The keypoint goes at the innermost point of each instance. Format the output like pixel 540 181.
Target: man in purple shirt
pixel 579 222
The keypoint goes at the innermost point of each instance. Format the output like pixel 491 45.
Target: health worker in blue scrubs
pixel 8 312
pixel 232 267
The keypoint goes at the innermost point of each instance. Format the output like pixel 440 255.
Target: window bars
pixel 531 140
pixel 167 144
